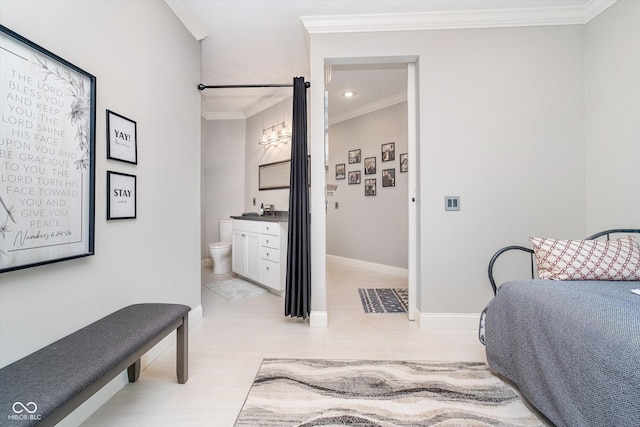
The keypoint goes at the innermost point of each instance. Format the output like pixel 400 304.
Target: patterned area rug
pixel 384 300
pixel 234 289
pixel 295 392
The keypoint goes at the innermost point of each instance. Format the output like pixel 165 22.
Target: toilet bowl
pixel 220 252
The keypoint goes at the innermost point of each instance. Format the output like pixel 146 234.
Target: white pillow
pixel 587 259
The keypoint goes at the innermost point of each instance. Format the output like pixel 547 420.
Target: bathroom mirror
pixel 275 175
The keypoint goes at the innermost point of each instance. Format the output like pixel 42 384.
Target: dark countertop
pixel 278 217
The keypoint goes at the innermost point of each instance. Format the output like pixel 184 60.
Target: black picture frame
pixel 340 171
pixel 122 138
pixel 388 151
pixel 121 195
pixel 370 187
pixel 389 177
pixel 355 156
pixel 369 165
pixel 404 162
pixel 48 214
pixel 354 177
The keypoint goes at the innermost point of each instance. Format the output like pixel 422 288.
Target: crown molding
pixel 440 20
pixel 370 108
pixel 230 115
pixel 188 19
pixel 263 105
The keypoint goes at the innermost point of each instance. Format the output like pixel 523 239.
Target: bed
pixel 571 344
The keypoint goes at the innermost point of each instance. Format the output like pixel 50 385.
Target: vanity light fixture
pixel 275 134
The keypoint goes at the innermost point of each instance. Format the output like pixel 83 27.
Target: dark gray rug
pixel 384 300
pixel 299 392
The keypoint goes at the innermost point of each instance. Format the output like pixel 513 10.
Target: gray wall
pixel 613 117
pixel 369 228
pixel 154 258
pixel 223 147
pixel 501 122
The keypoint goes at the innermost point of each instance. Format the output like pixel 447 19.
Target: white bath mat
pixel 235 289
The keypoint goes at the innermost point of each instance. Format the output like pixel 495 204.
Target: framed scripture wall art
pixel 122 138
pixel 47 159
pixel 121 195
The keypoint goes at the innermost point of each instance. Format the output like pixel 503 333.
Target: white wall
pixel 147 67
pixel 501 125
pixel 223 147
pixel 613 118
pixel 369 228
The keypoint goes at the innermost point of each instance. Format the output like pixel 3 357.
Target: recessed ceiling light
pixel 348 94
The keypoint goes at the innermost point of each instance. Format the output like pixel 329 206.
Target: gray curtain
pixel 298 286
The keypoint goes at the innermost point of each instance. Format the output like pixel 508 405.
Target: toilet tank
pixel 225 230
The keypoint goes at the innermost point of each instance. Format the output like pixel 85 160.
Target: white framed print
pixel 121 195
pixel 122 138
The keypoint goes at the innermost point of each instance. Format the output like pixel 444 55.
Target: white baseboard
pixel 94 403
pixel 450 321
pixel 371 266
pixel 318 319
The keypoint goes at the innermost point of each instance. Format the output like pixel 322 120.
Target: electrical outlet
pixel 254 201
pixel 451 203
pixel 337 205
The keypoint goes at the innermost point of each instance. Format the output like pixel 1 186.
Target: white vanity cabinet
pixel 245 254
pixel 260 251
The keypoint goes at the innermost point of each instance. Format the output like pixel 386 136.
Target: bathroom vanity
pixel 259 250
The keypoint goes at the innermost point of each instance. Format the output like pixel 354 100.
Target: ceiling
pixel 267 42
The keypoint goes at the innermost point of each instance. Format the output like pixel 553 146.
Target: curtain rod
pixel 203 87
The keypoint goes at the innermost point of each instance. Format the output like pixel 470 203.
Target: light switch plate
pixel 451 203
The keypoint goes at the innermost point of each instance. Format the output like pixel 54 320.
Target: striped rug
pixel 299 392
pixel 384 300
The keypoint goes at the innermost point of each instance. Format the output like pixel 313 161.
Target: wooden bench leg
pixel 134 371
pixel 182 357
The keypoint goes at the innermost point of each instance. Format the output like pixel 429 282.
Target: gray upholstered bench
pixel 44 387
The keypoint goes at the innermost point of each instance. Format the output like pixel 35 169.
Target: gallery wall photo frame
pixel 370 187
pixel 404 162
pixel 121 195
pixel 388 151
pixel 369 165
pixel 122 138
pixel 340 171
pixel 389 177
pixel 355 156
pixel 47 200
pixel 354 177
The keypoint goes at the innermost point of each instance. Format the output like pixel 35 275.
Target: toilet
pixel 220 252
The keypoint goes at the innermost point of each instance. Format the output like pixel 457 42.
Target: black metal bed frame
pixel 495 256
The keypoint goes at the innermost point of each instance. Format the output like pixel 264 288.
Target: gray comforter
pixel 572 348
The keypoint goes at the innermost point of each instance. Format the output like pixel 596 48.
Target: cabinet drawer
pixel 270 274
pixel 270 254
pixel 270 241
pixel 270 228
pixel 240 225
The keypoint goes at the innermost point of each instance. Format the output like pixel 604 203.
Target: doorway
pixel 370 149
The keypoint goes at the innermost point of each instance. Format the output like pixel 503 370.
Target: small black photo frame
pixel 354 177
pixel 122 138
pixel 369 165
pixel 355 156
pixel 121 195
pixel 404 162
pixel 340 171
pixel 370 187
pixel 389 178
pixel 388 151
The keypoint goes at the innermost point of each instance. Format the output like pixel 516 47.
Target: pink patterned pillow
pixel 587 259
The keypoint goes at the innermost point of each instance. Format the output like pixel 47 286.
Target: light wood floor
pixel 229 343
